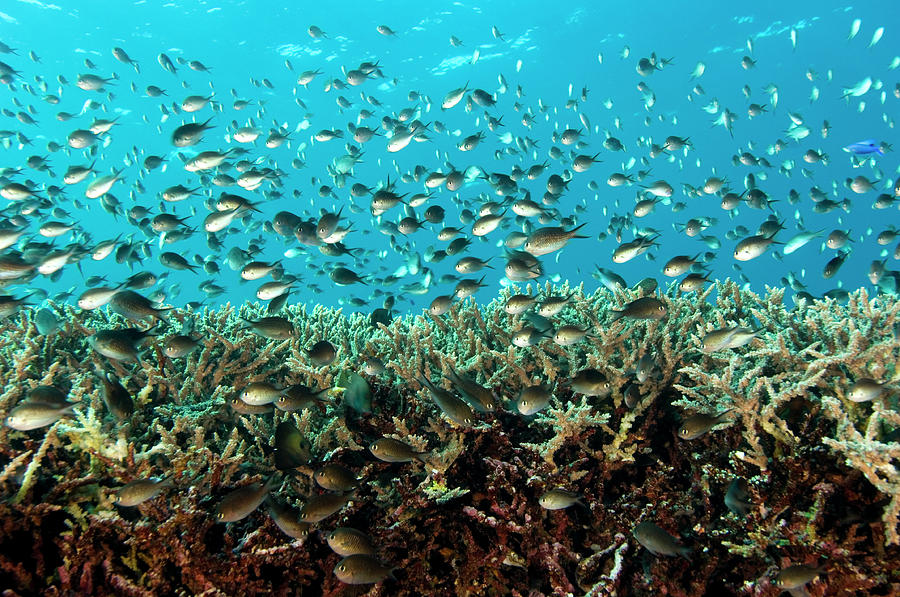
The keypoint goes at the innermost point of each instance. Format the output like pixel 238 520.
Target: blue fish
pixel 865 147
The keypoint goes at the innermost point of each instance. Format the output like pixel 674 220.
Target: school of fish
pixel 514 214
pixel 242 168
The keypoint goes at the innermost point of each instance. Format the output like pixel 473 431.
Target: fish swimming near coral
pixel 34 415
pixel 139 491
pixel 213 270
pixel 241 502
pixel 658 541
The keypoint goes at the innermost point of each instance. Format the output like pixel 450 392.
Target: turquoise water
pixel 549 51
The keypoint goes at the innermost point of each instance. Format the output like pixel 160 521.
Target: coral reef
pixel 463 517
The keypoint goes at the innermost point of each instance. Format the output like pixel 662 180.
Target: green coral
pixel 788 390
pixel 436 490
pixel 569 421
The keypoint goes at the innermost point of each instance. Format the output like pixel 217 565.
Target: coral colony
pixel 727 444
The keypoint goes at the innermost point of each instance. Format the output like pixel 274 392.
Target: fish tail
pixel 576 229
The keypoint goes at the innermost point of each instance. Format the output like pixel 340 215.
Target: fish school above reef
pixel 435 192
pixel 689 438
pixel 712 443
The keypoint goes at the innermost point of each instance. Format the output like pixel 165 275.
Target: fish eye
pixel 342 568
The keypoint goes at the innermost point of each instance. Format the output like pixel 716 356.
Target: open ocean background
pixel 558 44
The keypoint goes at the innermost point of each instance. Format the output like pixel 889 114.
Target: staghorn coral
pixel 570 424
pixel 803 358
pixel 821 469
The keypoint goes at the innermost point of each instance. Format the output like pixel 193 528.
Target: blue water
pixel 558 46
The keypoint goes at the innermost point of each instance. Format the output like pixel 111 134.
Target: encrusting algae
pixel 785 477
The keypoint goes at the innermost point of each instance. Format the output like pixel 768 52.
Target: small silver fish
pixel 34 415
pixel 559 499
pixel 590 382
pixel 794 577
pixel 481 398
pixel 727 338
pixel 865 390
pixel 532 399
pixel 335 477
pixel 141 490
pixel 345 541
pixel 646 307
pixel 362 569
pixel 453 407
pixel 242 502
pixel 389 449
pixel 696 425
pixel 288 520
pixel 658 541
pixel 319 507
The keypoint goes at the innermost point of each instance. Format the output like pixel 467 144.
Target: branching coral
pixel 816 463
pixel 569 422
pixel 869 452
